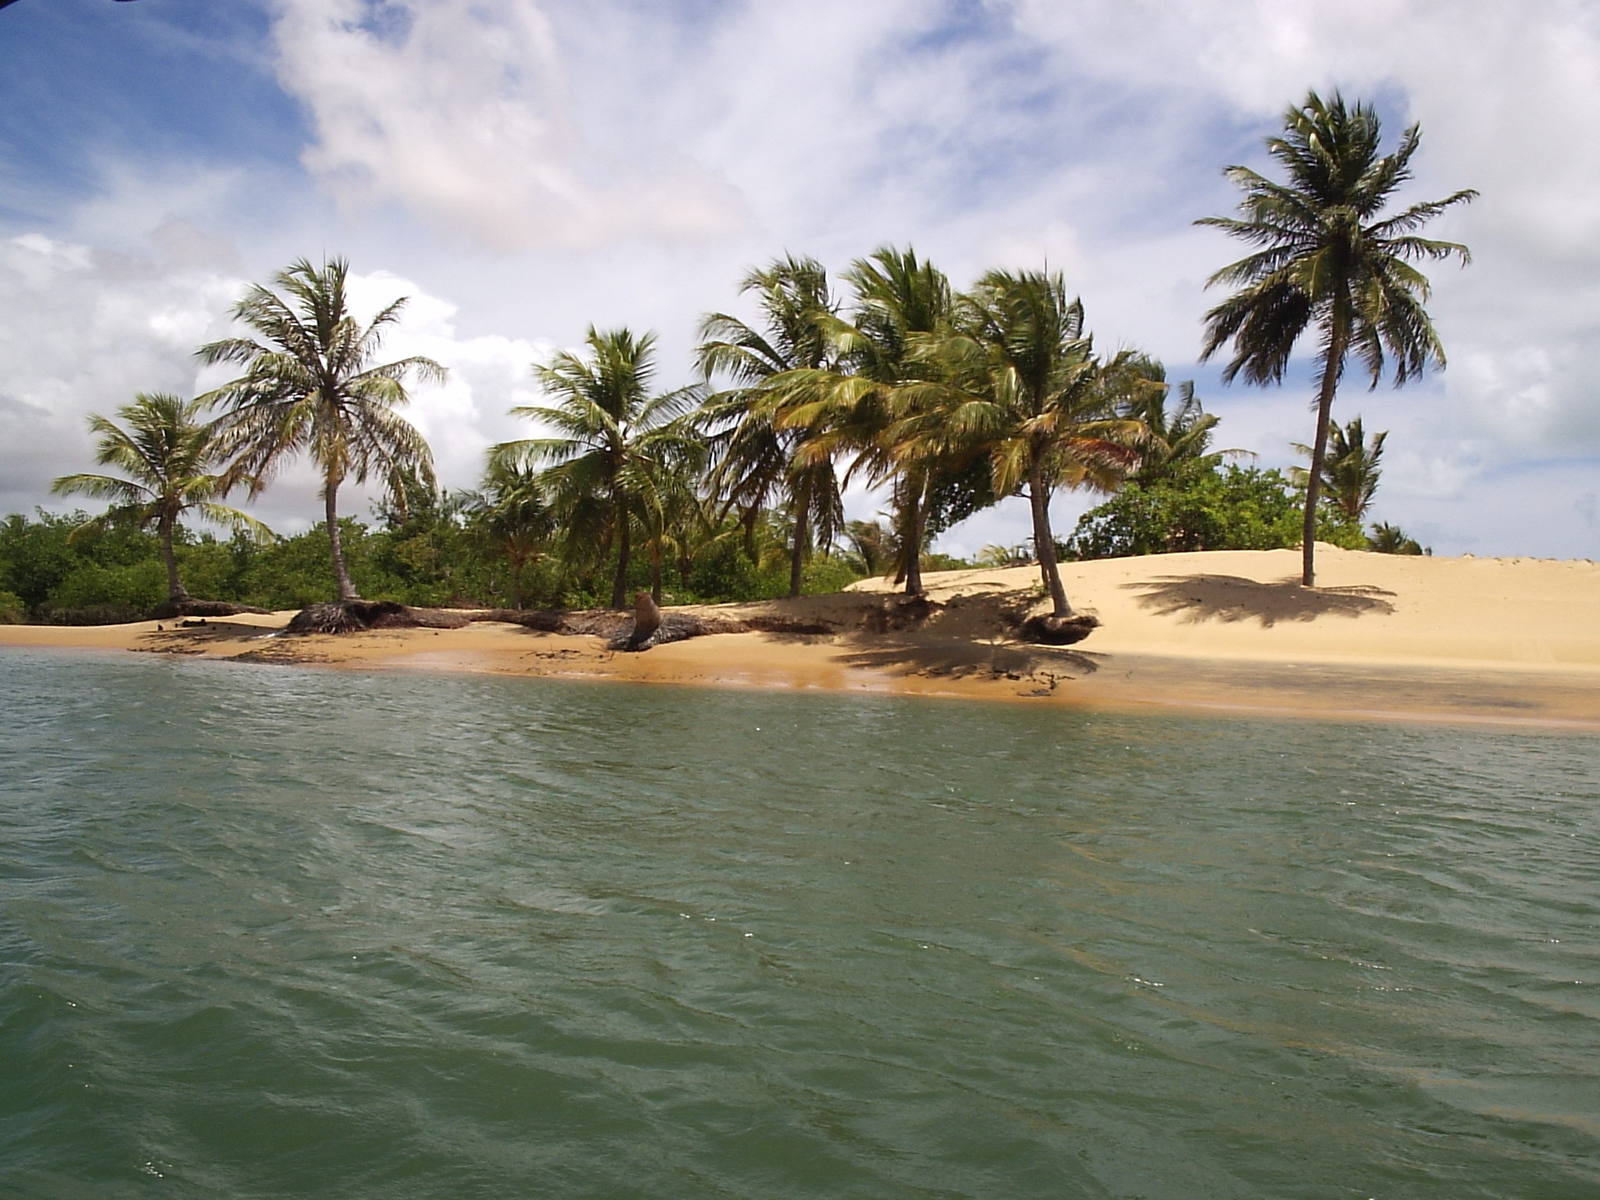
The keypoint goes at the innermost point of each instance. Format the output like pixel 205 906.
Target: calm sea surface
pixel 272 932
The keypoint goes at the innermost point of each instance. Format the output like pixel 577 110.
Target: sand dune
pixel 1383 636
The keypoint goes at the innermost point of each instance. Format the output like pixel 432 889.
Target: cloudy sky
pixel 522 169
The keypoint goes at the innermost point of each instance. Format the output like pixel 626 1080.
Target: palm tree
pixel 1329 256
pixel 166 455
pixel 1177 436
pixel 309 386
pixel 1021 385
pixel 758 463
pixel 1349 468
pixel 512 514
pixel 871 385
pixel 606 468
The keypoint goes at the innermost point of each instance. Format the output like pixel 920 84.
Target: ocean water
pixel 277 932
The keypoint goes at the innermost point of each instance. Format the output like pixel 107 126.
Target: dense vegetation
pixel 729 487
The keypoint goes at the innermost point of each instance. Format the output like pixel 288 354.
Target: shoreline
pixel 1476 642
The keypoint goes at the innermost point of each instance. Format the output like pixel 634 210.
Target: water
pixel 270 932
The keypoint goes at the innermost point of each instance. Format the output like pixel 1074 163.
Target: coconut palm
pixel 1349 468
pixel 1329 257
pixel 1178 429
pixel 1019 383
pixel 757 463
pixel 511 513
pixel 166 456
pixel 612 458
pixel 310 386
pixel 856 402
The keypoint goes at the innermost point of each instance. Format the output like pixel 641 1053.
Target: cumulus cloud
pixel 524 169
pixel 464 111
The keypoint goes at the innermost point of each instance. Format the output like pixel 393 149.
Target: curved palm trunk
pixel 802 537
pixel 341 573
pixel 1044 543
pixel 1338 339
pixel 175 588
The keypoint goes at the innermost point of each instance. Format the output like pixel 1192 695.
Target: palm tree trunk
pixel 175 588
pixel 619 584
pixel 341 573
pixel 910 519
pixel 1332 367
pixel 1044 542
pixel 802 537
pixel 655 570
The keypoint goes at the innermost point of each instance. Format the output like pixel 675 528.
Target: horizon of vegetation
pixel 731 487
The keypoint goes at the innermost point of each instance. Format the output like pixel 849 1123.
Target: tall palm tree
pixel 1020 384
pixel 1350 468
pixel 610 461
pixel 871 385
pixel 757 463
pixel 310 386
pixel 1328 256
pixel 166 456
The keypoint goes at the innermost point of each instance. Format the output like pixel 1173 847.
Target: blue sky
pixel 522 170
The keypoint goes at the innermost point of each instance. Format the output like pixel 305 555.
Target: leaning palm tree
pixel 1350 468
pixel 1328 256
pixel 167 458
pixel 1019 383
pixel 756 463
pixel 606 466
pixel 310 386
pixel 855 402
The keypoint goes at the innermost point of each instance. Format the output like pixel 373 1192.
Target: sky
pixel 524 169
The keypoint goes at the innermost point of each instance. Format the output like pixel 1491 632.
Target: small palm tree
pixel 166 456
pixel 612 458
pixel 511 513
pixel 1328 256
pixel 1178 429
pixel 757 463
pixel 1349 468
pixel 1019 383
pixel 310 386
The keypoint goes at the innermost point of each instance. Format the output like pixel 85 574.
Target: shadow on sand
pixel 957 659
pixel 1233 598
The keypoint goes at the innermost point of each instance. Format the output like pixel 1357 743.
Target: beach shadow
pixel 1231 598
pixel 957 659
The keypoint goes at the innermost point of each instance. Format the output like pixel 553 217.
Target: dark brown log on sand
pixel 357 616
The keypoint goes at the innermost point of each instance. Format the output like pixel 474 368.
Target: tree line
pixel 949 400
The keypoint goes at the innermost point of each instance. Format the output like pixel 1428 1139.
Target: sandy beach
pixel 1502 641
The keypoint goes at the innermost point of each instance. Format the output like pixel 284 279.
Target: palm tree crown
pixel 1018 382
pixel 619 450
pixel 1328 256
pixel 756 460
pixel 166 455
pixel 310 386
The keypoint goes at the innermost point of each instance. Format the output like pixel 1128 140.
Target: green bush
pixel 1204 508
pixel 12 610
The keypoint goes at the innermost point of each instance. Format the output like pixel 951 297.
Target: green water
pixel 268 932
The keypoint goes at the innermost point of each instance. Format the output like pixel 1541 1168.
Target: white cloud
pixel 525 169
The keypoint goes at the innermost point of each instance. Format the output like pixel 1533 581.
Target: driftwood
pixel 357 616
